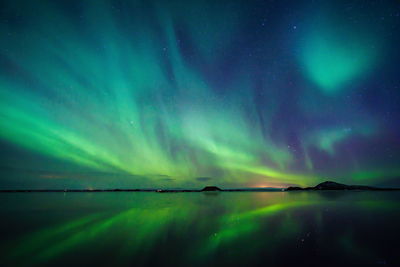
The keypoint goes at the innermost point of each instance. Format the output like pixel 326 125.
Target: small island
pixel 329 185
pixel 211 188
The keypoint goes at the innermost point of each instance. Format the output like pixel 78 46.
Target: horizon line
pixel 141 189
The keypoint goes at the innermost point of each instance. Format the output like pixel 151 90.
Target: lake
pixel 200 229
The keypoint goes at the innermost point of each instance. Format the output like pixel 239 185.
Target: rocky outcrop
pixel 210 188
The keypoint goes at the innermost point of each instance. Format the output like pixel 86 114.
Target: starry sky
pixel 183 94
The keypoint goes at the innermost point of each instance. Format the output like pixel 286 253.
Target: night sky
pixel 183 94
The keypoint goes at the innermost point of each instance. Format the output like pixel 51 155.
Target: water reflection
pixel 196 229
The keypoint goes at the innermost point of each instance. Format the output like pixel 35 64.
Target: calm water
pixel 195 229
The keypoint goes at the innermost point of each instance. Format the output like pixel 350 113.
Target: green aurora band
pixel 130 91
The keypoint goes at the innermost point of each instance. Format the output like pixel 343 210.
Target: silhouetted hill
pixel 211 188
pixel 329 185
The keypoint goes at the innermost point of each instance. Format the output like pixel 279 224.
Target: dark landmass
pixel 329 185
pixel 211 188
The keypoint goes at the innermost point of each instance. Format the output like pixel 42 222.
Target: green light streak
pixel 126 115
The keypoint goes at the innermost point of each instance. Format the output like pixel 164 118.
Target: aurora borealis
pixel 187 93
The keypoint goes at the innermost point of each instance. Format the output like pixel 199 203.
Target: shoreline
pixel 325 186
pixel 134 190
